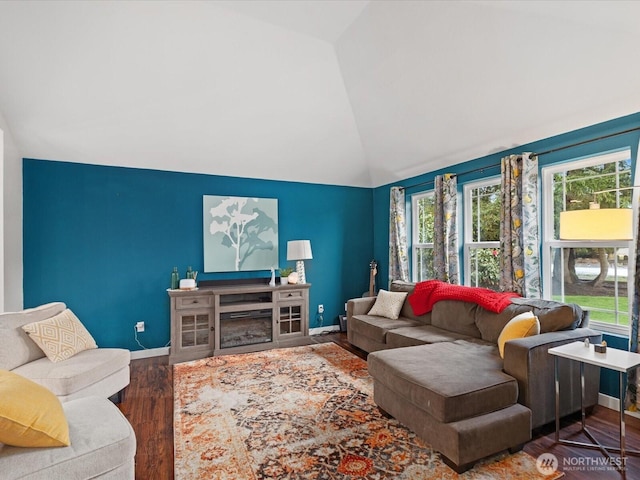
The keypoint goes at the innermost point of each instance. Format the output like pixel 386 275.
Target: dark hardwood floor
pixel 148 404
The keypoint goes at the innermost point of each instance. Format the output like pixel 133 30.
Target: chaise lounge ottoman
pixel 465 407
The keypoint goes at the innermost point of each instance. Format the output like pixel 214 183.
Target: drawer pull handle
pixel 291 294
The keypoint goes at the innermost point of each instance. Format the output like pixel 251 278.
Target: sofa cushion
pixel 15 346
pixel 376 328
pixel 407 310
pixel 477 346
pixel 423 334
pixel 102 442
pixel 524 325
pixel 77 372
pixel 30 415
pixel 469 383
pixel 456 316
pixel 388 304
pixel 491 324
pixel 552 315
pixel 61 336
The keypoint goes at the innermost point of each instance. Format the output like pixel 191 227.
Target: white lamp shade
pixel 299 250
pixel 597 224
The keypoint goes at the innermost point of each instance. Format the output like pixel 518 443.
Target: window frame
pixel 469 244
pixel 548 231
pixel 415 245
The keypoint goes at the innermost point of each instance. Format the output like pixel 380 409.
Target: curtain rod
pixel 430 182
pixel 481 169
pixel 586 141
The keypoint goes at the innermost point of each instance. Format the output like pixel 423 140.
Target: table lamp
pixel 299 250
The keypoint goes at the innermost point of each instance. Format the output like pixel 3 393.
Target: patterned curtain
pixel 445 238
pixel 398 257
pixel 519 245
pixel 632 400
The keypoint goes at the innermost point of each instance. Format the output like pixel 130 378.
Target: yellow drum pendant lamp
pixel 597 223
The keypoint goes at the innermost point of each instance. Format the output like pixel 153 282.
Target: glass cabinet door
pixel 290 319
pixel 194 330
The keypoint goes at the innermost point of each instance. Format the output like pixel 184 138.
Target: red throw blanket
pixel 427 293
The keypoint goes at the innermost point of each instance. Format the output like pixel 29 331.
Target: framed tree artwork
pixel 240 233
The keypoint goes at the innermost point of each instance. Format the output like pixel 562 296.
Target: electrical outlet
pixel 140 327
pixel 320 308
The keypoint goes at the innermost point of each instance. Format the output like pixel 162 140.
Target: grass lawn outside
pixel 602 309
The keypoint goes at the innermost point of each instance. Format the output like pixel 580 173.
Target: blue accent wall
pixel 610 380
pixel 104 240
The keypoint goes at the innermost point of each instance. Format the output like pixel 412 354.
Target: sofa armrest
pixel 359 306
pixel 528 361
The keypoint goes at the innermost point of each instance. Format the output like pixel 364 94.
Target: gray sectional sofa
pixel 441 374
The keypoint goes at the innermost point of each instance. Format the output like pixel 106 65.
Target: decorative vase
pixel 175 279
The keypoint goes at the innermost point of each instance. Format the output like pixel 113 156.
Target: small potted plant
pixel 284 273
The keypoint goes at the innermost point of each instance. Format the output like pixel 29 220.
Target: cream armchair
pixel 100 443
pixel 102 372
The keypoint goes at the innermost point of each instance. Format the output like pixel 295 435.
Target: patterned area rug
pixel 301 413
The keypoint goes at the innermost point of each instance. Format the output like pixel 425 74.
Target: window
pixel 422 217
pixel 589 273
pixel 482 202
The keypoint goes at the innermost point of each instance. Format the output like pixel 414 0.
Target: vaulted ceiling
pixel 356 92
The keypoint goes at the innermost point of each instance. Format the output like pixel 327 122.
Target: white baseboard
pixel 608 401
pixel 149 352
pixel 321 330
pixel 614 404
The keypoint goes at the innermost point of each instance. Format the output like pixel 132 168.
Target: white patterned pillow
pixel 388 304
pixel 60 337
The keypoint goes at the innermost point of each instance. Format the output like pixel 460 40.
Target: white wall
pixel 11 295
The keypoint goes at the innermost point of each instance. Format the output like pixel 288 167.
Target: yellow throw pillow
pixel 30 415
pixel 388 304
pixel 524 325
pixel 61 336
